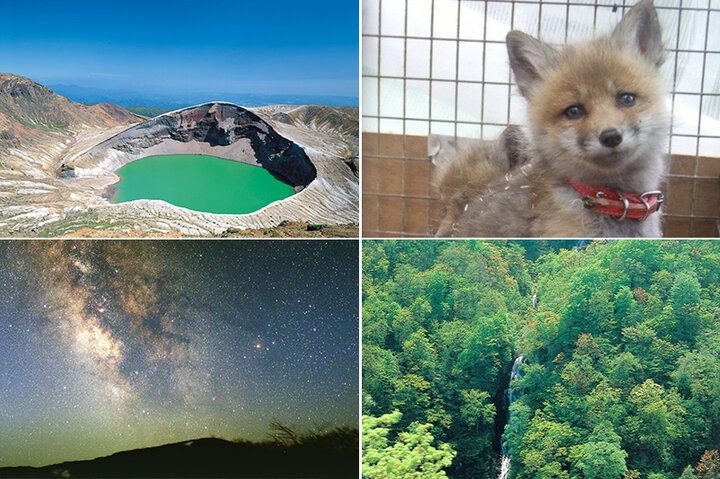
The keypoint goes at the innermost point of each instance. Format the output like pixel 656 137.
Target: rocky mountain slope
pixel 37 107
pixel 58 157
pixel 333 121
pixel 37 125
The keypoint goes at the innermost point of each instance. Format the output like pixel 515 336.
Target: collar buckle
pixel 626 205
pixel 643 197
pixel 617 203
pixel 658 193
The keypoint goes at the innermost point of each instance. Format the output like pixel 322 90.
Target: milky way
pixel 112 345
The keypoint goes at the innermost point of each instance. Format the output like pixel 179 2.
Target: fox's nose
pixel 611 138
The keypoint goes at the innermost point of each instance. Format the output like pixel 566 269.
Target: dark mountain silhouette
pixel 334 455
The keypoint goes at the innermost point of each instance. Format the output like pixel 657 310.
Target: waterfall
pixel 504 467
pixel 511 395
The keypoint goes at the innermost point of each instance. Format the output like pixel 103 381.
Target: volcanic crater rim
pixel 218 129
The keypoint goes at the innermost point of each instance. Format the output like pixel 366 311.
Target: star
pixel 99 335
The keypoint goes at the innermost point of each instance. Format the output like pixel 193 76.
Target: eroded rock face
pixel 338 121
pixel 222 130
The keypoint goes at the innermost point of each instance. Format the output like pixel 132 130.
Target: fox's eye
pixel 626 99
pixel 573 112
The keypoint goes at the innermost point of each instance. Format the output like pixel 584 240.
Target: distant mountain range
pixel 336 457
pixel 175 101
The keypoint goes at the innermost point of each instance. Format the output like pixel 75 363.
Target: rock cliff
pixel 222 130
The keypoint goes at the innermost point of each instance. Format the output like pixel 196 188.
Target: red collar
pixel 620 204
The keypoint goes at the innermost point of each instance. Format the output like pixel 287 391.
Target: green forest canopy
pixel 622 370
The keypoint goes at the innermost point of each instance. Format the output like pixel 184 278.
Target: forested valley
pixel 616 346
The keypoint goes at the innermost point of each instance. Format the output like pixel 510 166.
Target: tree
pixel 412 397
pixel 627 310
pixel 697 378
pixel 661 283
pixel 486 352
pixel 380 371
pixel 684 299
pixel 409 284
pixel 438 285
pixel 709 465
pixel 377 314
pixel 374 261
pixel 623 300
pixel 421 311
pixel 624 369
pixel 600 313
pixel 520 415
pixel 606 403
pixel 656 422
pixel 450 341
pixel 284 434
pixel 587 307
pixel 412 456
pixel 603 458
pixel 688 473
pixel 545 448
pixel 418 356
pixel 476 408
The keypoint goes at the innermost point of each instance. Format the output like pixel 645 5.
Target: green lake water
pixel 200 183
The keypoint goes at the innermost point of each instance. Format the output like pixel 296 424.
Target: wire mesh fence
pixel 439 67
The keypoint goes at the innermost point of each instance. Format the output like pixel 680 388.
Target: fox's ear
pixel 529 59
pixel 640 30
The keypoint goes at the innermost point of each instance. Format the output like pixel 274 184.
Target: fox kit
pixel 593 158
pixel 460 179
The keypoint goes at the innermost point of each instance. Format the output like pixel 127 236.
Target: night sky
pixel 114 345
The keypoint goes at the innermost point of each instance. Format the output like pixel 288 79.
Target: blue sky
pixel 261 47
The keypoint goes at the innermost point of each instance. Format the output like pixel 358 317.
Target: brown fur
pixel 535 199
pixel 591 75
pixel 461 179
